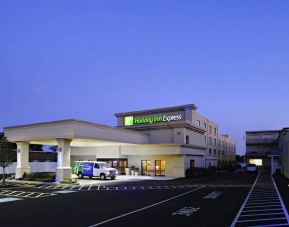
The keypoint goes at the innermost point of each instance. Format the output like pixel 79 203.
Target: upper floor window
pixel 210 129
pixel 210 140
pixel 215 142
pixel 198 123
pixel 215 131
pixel 205 125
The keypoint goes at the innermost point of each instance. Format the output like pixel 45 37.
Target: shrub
pixel 68 180
pixel 196 172
pixel 211 170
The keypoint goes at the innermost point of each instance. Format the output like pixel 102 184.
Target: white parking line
pixel 246 207
pixel 249 215
pixel 81 187
pixel 263 203
pixel 262 219
pixel 273 225
pixel 260 210
pixel 144 208
pixel 39 195
pixel 29 194
pixel 21 193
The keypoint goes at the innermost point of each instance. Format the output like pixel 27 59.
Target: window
pixel 210 140
pixel 219 143
pixel 205 139
pixel 215 131
pixel 210 129
pixel 214 151
pixel 187 139
pixel 160 167
pixel 198 123
pixel 210 151
pixel 215 142
pixel 219 152
pixel 205 125
pixel 96 166
pixel 222 152
pixel 192 163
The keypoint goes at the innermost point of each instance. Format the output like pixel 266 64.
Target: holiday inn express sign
pixel 151 119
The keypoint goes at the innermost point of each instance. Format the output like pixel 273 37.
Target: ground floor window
pixel 160 167
pixel 119 164
pixel 146 167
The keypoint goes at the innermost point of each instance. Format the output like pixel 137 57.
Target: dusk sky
pixel 90 59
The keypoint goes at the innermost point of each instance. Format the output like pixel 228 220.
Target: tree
pixel 7 155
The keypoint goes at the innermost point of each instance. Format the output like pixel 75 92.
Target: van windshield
pixel 104 165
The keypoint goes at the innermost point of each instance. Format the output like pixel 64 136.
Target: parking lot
pixel 205 201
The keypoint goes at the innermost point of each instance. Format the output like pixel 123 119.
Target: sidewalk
pixel 87 181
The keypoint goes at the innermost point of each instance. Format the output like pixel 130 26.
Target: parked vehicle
pixel 94 169
pixel 251 168
pixel 243 164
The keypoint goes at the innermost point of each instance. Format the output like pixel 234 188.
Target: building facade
pixel 261 146
pixel 158 142
pixel 284 147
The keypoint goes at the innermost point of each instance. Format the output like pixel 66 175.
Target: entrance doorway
pixel 146 167
pixel 160 166
pixel 119 164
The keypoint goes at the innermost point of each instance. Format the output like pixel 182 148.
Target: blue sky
pixel 90 59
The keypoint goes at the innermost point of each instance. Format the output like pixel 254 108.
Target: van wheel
pixel 80 175
pixel 102 176
pixel 112 178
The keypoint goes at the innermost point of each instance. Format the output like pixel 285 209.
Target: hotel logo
pixel 128 121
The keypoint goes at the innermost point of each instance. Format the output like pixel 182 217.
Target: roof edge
pixel 157 110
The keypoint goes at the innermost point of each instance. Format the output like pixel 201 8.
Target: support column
pixel 63 159
pixel 22 159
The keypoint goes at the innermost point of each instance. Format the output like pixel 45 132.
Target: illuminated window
pixel 257 162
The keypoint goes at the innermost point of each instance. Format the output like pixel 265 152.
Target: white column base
pixel 20 171
pixel 62 173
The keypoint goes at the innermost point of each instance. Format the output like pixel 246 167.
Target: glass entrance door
pixel 160 166
pixel 146 167
pixel 119 164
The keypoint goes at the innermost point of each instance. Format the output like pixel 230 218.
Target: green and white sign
pixel 139 120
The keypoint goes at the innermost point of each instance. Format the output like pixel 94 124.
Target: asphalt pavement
pixel 205 201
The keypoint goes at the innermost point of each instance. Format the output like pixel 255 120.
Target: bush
pixel 68 180
pixel 196 172
pixel 10 177
pixel 42 176
pixel 212 170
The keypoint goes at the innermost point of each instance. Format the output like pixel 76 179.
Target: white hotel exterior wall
pixel 219 147
pixel 177 142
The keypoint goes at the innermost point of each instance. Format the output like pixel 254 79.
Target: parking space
pixel 206 201
pixel 97 187
pixel 24 194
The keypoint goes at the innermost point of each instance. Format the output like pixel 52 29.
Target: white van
pixel 94 169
